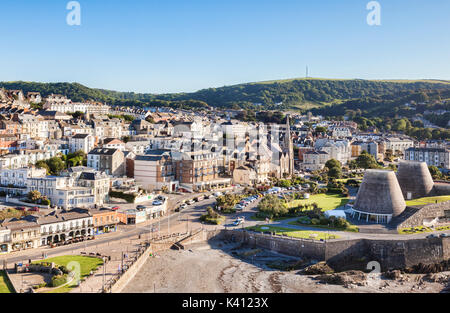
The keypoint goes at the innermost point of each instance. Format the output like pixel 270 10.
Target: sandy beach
pixel 214 268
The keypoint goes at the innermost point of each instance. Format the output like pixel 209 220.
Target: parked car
pixel 432 236
pixel 444 235
pixel 141 207
pixel 157 202
pixel 115 208
pixel 34 209
pixel 190 202
pixel 22 208
pixel 181 207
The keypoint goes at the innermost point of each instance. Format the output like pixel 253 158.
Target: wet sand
pixel 213 268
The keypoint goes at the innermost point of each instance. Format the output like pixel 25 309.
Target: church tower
pixel 288 148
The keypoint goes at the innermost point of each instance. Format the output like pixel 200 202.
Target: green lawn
pixel 325 201
pixel 257 218
pixel 5 284
pixel 304 234
pixel 345 180
pixel 428 200
pixel 352 228
pixel 86 265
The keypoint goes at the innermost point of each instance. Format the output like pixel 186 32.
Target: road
pixel 187 220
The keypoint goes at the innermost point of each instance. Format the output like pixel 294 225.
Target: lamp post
pixel 104 273
pixel 121 268
pixel 168 224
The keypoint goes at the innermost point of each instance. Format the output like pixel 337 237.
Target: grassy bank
pixel 428 200
pixel 87 264
pixel 352 228
pixel 324 201
pixel 5 284
pixel 294 233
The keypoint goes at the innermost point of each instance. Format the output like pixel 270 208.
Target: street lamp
pixel 104 273
pixel 168 224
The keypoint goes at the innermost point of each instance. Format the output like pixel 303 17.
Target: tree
pixel 389 155
pixel 212 213
pixel 43 164
pixel 285 183
pixel 352 164
pixel 34 196
pixel 228 201
pixel 56 165
pixel 75 162
pixel 320 129
pixel 75 159
pixel 78 115
pixel 271 206
pixel 435 172
pixel 366 161
pixel 333 163
pixel 335 172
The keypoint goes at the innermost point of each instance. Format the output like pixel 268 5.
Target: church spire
pixel 289 146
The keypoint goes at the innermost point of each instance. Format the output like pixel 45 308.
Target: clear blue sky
pixel 185 45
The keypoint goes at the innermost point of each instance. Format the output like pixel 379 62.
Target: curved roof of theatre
pixel 380 193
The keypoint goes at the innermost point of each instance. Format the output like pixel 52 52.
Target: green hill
pixel 281 94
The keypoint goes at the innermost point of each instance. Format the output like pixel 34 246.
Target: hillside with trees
pixel 327 95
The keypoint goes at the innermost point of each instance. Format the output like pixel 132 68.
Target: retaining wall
pixel 14 285
pixel 430 211
pixel 126 277
pixel 131 272
pixel 349 254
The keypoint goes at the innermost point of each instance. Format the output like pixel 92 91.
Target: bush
pixel 315 221
pixel 228 201
pixel 59 280
pixel 228 211
pixel 335 190
pixel 41 285
pixel 212 217
pixel 342 223
pixel 210 220
pixel 353 183
pixel 272 206
pixel 128 197
pixel 304 220
pixel 322 190
pixel 45 201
